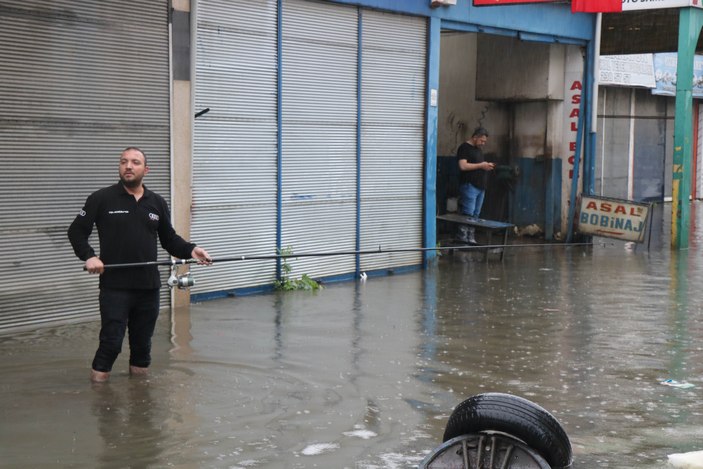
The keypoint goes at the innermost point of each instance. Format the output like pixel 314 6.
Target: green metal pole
pixel 690 23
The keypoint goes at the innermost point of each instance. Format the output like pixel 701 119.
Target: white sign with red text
pixel 568 130
pixel 613 218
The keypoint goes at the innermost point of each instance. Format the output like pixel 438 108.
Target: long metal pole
pixel 690 23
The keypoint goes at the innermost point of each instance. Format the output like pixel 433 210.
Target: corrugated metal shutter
pixel 235 149
pixel 392 136
pixel 79 81
pixel 319 112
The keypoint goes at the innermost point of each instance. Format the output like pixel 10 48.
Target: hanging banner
pixel 665 74
pixel 627 70
pixel 613 218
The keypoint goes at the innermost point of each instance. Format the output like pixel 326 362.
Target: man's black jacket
pixel 127 230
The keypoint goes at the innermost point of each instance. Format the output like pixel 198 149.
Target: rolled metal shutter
pixel 319 116
pixel 74 94
pixel 235 148
pixel 393 87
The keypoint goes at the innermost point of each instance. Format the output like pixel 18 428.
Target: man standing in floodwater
pixel 473 180
pixel 129 217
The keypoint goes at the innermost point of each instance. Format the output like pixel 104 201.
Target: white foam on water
pixel 364 434
pixel 398 461
pixel 245 464
pixel 692 460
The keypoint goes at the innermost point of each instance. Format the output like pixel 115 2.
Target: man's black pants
pixel 122 310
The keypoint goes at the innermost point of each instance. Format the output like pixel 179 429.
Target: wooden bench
pixel 489 226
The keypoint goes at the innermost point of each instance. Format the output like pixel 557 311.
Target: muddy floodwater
pixel 365 374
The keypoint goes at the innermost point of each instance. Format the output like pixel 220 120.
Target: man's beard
pixel 133 184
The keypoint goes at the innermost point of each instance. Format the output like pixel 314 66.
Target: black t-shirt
pixel 478 177
pixel 127 229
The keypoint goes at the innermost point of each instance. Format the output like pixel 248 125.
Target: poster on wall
pixel 613 218
pixel 665 74
pixel 627 70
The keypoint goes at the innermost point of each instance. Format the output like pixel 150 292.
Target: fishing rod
pixel 175 262
pixel 186 280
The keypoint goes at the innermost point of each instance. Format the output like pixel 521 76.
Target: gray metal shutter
pixel 392 136
pixel 235 149
pixel 319 112
pixel 79 81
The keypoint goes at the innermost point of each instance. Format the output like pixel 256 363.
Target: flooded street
pixel 365 375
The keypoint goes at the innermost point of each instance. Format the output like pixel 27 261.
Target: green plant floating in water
pixel 286 282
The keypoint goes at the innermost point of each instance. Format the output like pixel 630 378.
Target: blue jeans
pixel 122 310
pixel 471 200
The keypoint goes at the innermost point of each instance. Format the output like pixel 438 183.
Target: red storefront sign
pixel 596 6
pixel 482 3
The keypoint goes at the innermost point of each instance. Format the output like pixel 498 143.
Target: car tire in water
pixel 517 417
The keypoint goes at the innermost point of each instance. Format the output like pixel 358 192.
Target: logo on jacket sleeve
pixel 154 217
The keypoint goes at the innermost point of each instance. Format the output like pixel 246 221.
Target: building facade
pixel 274 124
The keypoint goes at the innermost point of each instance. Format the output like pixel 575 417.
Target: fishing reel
pixel 183 281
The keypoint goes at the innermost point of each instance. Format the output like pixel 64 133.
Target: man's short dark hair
pixel 480 132
pixel 135 149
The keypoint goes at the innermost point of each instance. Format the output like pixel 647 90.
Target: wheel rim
pixel 485 450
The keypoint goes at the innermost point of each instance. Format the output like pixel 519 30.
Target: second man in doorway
pixel 473 180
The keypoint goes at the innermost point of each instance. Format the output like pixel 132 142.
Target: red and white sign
pixel 574 109
pixel 603 6
pixel 483 3
pixel 611 6
pixel 613 218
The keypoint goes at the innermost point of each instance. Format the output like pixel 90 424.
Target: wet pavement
pixel 365 374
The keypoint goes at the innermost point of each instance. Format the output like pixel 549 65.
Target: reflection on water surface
pixel 365 375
